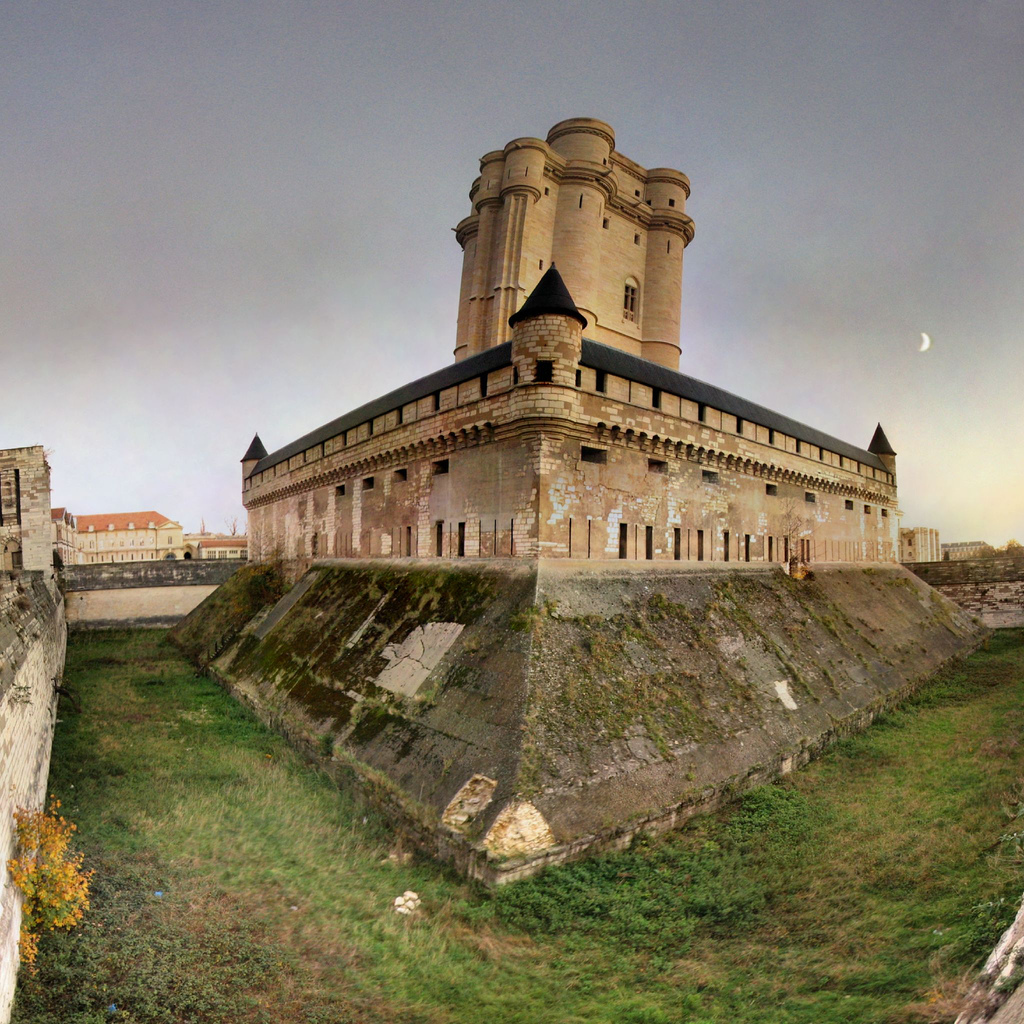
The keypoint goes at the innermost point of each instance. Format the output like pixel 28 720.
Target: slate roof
pixel 255 449
pixel 880 443
pixel 597 357
pixel 549 296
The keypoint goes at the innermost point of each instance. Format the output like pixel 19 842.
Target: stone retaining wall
pixel 33 634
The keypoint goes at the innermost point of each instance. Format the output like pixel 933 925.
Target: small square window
pixel 671 202
pixel 368 483
pixel 772 489
pixel 339 491
pixel 595 455
pixel 440 467
pixel 401 474
pixel 657 466
pixel 709 476
pixel 867 510
pixel 849 506
pixel 809 496
pixel 545 371
pixel 636 192
pixel 885 513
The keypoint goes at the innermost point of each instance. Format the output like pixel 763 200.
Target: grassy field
pixel 235 884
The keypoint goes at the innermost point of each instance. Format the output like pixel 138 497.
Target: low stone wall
pixel 33 635
pixel 155 594
pixel 990 588
pixel 171 573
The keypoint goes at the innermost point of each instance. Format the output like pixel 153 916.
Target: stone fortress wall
pixel 590 464
pixel 33 634
pixel 25 509
pixel 608 224
pixel 990 588
pixel 147 594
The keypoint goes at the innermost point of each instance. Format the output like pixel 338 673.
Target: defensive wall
pixel 990 588
pixel 157 594
pixel 514 714
pixel 33 635
pixel 555 446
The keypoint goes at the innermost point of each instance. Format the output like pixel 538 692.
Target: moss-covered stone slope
pixel 521 714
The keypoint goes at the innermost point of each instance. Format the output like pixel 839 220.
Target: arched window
pixel 631 300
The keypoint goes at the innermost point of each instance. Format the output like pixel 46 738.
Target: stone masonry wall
pixel 32 643
pixel 128 575
pixel 990 588
pixel 653 464
pixel 25 509
pixel 149 594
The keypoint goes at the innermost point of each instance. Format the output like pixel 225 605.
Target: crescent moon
pixel 926 342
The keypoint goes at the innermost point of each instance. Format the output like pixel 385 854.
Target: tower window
pixel 702 412
pixel 739 425
pixel 579 378
pixel 809 496
pixel 368 483
pixel 671 202
pixel 772 489
pixel 605 223
pixel 581 200
pixel 595 455
pixel 636 239
pixel 483 385
pixel 401 474
pixel 709 476
pixel 540 264
pixel 440 467
pixel 655 398
pixel 601 381
pixel 437 401
pixel 848 505
pixel 547 191
pixel 545 371
pixel 771 436
pixel 629 302
pixel 636 192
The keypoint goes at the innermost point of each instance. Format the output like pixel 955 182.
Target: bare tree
pixel 232 524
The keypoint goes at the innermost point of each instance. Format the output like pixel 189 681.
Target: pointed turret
pixel 550 297
pixel 252 455
pixel 880 446
pixel 256 451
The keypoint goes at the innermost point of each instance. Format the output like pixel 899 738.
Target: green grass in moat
pixel 861 890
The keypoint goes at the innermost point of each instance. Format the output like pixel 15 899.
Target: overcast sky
pixel 219 218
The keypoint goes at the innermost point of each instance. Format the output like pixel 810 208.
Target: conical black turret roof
pixel 550 296
pixel 880 443
pixel 255 450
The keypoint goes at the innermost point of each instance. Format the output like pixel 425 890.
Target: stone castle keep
pixel 564 429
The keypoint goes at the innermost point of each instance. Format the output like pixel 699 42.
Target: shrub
pixel 55 887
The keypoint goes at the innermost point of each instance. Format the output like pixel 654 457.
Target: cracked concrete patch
pixel 416 657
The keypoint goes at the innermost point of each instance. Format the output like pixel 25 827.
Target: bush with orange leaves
pixel 55 887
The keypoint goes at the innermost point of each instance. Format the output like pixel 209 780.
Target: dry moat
pixel 235 882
